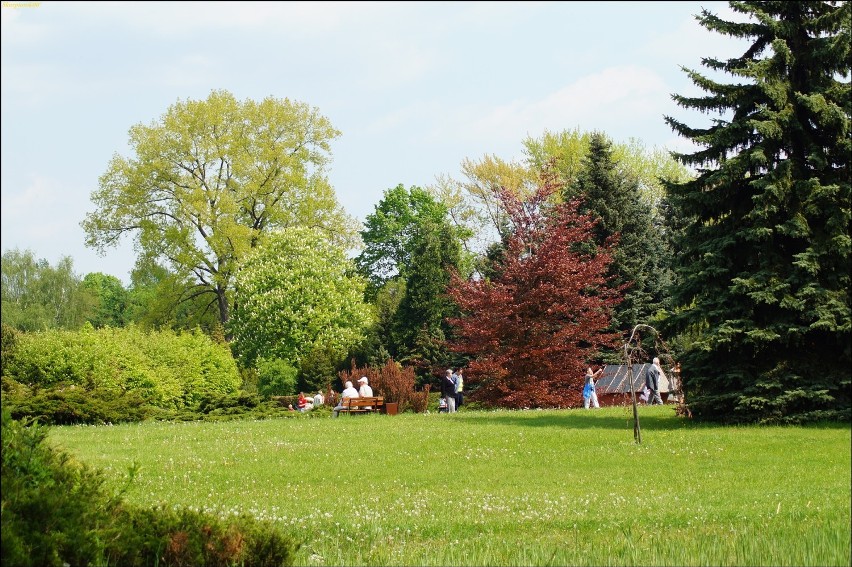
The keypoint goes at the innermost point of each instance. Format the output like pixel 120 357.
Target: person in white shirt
pixel 348 392
pixel 365 391
pixel 589 390
pixel 319 399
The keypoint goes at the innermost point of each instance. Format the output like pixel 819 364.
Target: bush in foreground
pixel 57 512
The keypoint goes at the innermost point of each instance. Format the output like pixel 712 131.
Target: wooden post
pixel 637 432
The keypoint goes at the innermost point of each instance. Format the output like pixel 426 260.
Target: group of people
pixel 304 403
pixel 650 393
pixel 452 391
pixel 364 391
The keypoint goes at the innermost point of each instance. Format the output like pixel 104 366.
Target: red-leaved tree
pixel 532 329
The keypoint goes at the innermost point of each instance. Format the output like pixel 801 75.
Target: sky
pixel 415 88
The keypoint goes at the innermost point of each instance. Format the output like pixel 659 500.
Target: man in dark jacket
pixel 652 382
pixel 448 390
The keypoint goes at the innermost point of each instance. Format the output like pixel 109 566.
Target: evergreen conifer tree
pixel 764 259
pixel 639 261
pixel 419 326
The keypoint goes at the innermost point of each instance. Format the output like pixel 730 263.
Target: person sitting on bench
pixel 348 392
pixel 365 391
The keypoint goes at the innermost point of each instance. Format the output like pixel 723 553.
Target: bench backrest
pixel 356 403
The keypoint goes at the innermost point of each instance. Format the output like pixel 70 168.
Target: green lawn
pixel 563 487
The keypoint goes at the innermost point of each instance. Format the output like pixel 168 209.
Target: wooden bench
pixel 362 405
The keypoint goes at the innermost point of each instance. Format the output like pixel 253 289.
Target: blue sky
pixel 414 87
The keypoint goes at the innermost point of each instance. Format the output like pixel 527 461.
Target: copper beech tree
pixel 534 326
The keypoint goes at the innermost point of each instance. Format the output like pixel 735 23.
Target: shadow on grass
pixel 616 417
pixel 584 419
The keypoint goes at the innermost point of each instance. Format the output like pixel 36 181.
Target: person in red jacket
pixel 304 404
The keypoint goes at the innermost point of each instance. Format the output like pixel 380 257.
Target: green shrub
pixel 168 369
pixel 56 512
pixel 49 505
pixel 276 377
pixel 73 405
pixel 240 400
pixel 182 537
pixel 8 343
pixel 70 405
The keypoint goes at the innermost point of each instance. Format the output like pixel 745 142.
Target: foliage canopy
pixel 545 313
pixel 764 257
pixel 297 293
pixel 210 178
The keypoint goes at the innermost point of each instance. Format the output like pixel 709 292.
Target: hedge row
pixel 167 369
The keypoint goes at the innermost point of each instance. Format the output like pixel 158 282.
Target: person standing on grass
pixel 652 382
pixel 448 390
pixel 590 394
pixel 459 389
pixel 348 392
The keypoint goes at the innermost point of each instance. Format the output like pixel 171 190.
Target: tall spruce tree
pixel 420 326
pixel 764 261
pixel 640 260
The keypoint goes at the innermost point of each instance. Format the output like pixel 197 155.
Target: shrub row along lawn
pixel 561 487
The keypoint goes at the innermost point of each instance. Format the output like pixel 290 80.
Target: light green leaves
pixel 210 178
pixel 297 292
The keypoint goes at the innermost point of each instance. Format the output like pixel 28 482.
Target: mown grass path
pixel 503 488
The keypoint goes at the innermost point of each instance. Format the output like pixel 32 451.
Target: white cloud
pixel 40 212
pixel 601 101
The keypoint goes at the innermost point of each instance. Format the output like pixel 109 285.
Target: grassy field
pixel 503 488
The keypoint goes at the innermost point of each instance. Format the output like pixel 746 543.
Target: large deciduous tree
pixel 210 178
pixel 110 297
pixel 298 295
pixel 764 264
pixel 37 296
pixel 532 329
pixel 419 325
pixel 410 245
pixel 390 231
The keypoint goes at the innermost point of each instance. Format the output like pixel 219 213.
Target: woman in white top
pixel 589 393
